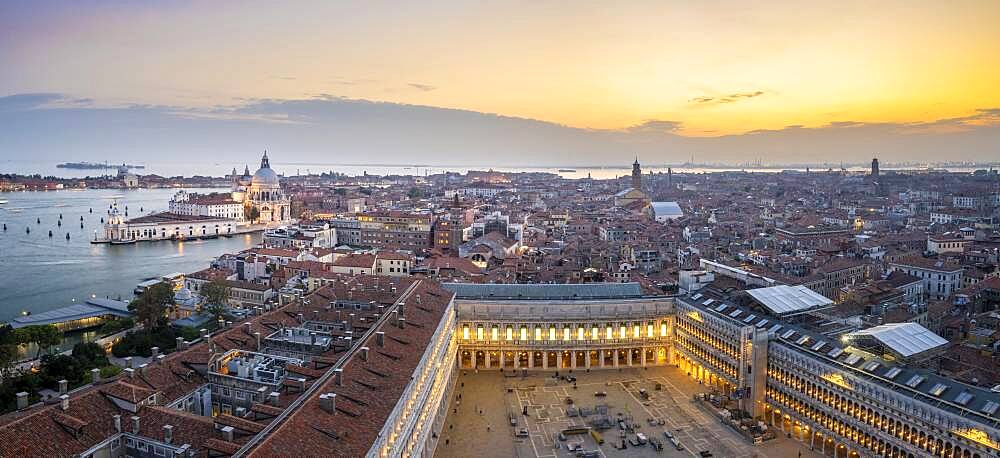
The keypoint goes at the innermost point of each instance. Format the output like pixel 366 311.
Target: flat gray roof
pixel 783 299
pixel 544 291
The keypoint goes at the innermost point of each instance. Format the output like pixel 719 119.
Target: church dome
pixel 265 177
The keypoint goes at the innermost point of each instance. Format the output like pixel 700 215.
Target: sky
pixel 511 83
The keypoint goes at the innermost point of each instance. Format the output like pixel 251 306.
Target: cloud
pixel 422 87
pixel 730 98
pixel 27 101
pixel 327 128
pixel 655 126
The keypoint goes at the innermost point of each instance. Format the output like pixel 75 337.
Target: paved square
pixel 479 422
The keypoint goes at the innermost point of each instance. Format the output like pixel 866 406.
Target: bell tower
pixel 636 175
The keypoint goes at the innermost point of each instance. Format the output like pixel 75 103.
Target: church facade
pixel 633 197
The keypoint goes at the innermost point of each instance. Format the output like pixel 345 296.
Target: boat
pixel 567 170
pixel 123 242
pixel 2 202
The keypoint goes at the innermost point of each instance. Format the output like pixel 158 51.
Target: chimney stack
pixel 160 358
pixel 63 385
pixel 256 336
pixel 118 422
pixel 247 329
pixel 227 433
pixel 135 424
pixel 328 402
pixel 168 434
pixel 338 375
pixel 22 400
pixel 154 352
pixel 204 333
pixel 402 323
pixel 181 344
pixel 364 353
pixel 380 338
pixel 273 398
pixel 129 372
pixel 312 338
pixel 95 375
pixel 128 362
pixel 301 319
pixel 64 401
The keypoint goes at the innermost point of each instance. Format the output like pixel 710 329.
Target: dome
pixel 264 175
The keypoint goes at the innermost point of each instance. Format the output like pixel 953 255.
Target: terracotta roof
pixel 370 390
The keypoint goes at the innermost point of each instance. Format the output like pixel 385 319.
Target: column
pixel 642 357
pixel 545 360
pixel 572 359
pixel 559 360
pixel 486 359
pixel 629 357
pixel 586 359
pixel 474 358
pixel 531 359
pixel 600 358
pixel 615 355
pixel 501 359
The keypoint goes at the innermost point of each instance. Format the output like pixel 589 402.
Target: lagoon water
pixel 39 273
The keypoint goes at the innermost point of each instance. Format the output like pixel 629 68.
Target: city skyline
pixel 906 82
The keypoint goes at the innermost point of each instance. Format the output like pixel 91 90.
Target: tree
pixel 216 296
pixel 251 213
pixel 415 193
pixel 8 351
pixel 44 336
pixel 150 307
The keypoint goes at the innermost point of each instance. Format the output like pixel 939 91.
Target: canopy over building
pixel 902 340
pixel 786 300
pixel 91 312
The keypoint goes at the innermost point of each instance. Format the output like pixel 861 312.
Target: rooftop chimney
pixel 135 424
pixel 338 375
pixel 256 335
pixel 364 353
pixel 22 400
pixel 181 344
pixel 118 422
pixel 246 328
pixel 95 375
pixel 328 402
pixel 204 333
pixel 63 385
pixel 227 433
pixel 160 358
pixel 168 434
pixel 273 397
pixel 380 338
pixel 402 323
pixel 128 361
pixel 64 401
pixel 154 352
pixel 301 319
pixel 129 372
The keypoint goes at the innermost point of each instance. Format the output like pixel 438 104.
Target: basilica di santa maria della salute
pixel 262 192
